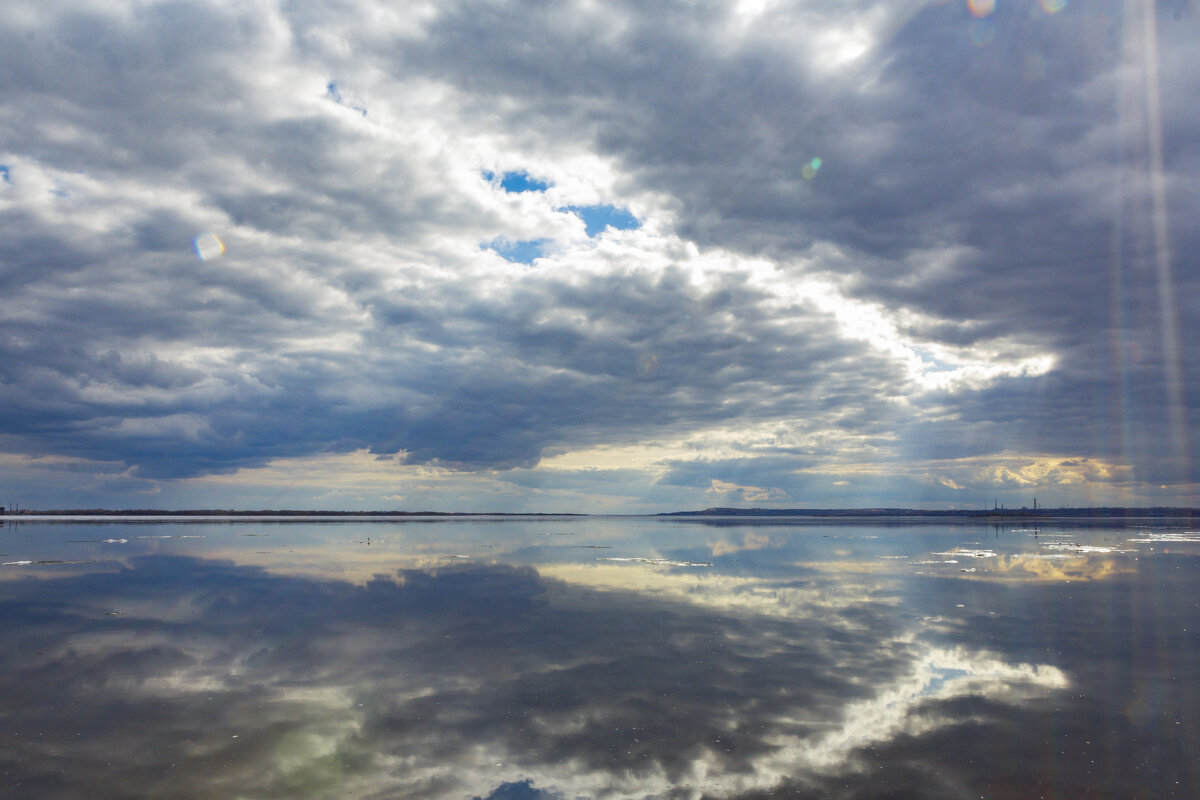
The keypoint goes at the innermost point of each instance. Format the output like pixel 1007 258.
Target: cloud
pixel 745 494
pixel 477 237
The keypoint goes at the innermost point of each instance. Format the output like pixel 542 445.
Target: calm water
pixel 587 658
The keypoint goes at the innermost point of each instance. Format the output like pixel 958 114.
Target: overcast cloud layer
pixel 351 254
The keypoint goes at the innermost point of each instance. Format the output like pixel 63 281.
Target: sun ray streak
pixel 1162 241
pixel 1143 63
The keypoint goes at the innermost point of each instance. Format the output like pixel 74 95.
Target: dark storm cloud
pixel 990 182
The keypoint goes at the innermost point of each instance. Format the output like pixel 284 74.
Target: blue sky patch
pixel 4 173
pixel 940 676
pixel 517 182
pixel 335 94
pixel 598 218
pixel 520 790
pixel 520 252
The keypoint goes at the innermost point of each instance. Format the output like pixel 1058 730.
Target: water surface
pixel 598 658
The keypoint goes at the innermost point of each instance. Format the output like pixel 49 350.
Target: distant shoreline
pixel 1105 512
pixel 1097 512
pixel 211 512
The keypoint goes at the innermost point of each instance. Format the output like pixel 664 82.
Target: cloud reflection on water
pixel 498 680
pixel 439 683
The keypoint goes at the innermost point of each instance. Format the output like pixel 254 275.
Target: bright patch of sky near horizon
pixel 452 250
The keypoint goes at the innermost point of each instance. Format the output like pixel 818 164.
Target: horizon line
pixel 726 511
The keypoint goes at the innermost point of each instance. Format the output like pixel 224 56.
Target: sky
pixel 599 257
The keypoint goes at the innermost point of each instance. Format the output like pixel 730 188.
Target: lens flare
pixel 982 33
pixel 209 246
pixel 809 171
pixel 647 365
pixel 984 8
pixel 1053 6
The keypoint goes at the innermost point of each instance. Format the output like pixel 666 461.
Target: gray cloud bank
pixel 997 190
